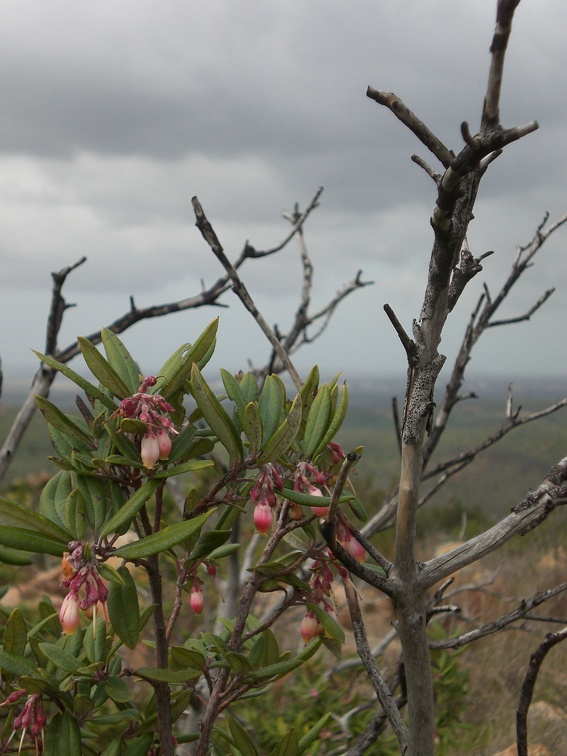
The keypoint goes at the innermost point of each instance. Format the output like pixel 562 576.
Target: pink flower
pixel 197 601
pixel 262 518
pixel 69 614
pixel 321 511
pixel 310 627
pixel 164 444
pixel 149 450
pixel 355 549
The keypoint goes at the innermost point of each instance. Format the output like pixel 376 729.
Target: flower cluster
pixel 263 494
pixel 303 484
pixel 32 718
pixel 320 593
pixel 349 543
pixel 80 572
pixel 151 410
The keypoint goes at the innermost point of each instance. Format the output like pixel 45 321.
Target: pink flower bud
pixel 320 511
pixel 164 444
pixel 149 450
pixel 310 627
pixel 262 518
pixel 355 549
pixel 69 614
pixel 197 601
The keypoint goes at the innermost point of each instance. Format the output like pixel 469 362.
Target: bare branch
pixel 504 15
pixel 520 318
pixel 240 290
pixel 378 683
pixel 409 119
pixel 489 628
pixel 525 516
pixel 536 660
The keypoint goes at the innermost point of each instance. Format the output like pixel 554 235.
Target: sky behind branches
pixel 115 114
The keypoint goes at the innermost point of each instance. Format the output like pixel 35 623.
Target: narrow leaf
pixel 241 738
pixel 252 424
pixel 30 541
pixel 272 404
pixel 62 422
pixel 102 369
pixel 165 539
pixel 335 424
pixel 317 421
pixel 288 745
pixel 22 517
pixel 89 388
pixel 130 508
pixel 285 434
pixel 15 634
pixel 120 360
pixel 124 609
pixel 215 415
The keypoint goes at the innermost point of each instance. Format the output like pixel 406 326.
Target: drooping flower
pixel 310 627
pixel 149 450
pixel 69 614
pixel 262 518
pixel 80 572
pixel 197 601
pixel 32 718
pixel 151 409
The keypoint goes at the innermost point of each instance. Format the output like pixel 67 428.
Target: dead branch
pixel 489 628
pixel 536 660
pixel 240 290
pixel 378 683
pixel 525 516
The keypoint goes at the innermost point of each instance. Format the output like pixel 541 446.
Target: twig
pixel 536 660
pixel 378 683
pixel 240 290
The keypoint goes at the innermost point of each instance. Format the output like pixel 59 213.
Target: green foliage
pixel 132 555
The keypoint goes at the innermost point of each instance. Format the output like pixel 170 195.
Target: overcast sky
pixel 114 114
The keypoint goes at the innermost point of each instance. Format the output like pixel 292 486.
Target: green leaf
pixel 167 675
pixel 177 368
pixel 252 424
pixel 307 500
pixel 208 542
pixel 15 634
pixel 130 508
pixel 310 737
pixel 191 466
pixel 124 609
pixel 63 660
pixel 215 415
pixel 121 360
pixel 224 551
pixel 272 404
pixel 95 499
pixel 249 387
pixel 265 650
pixel 68 737
pixel 165 539
pixel 331 627
pixel 88 388
pixel 317 421
pixel 117 690
pixel 284 436
pixel 102 369
pixel 241 738
pixel 234 393
pixel 74 513
pixel 335 424
pixel 28 540
pixel 14 557
pixel 94 641
pixel 16 664
pixel 288 745
pixel 23 517
pixel 238 662
pixel 64 423
pixel 185 658
pixel 308 393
